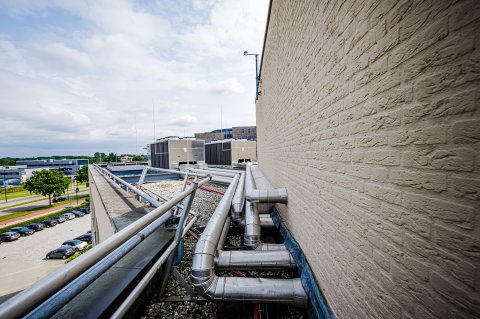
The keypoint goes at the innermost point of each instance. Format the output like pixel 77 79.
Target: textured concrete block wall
pixel 369 115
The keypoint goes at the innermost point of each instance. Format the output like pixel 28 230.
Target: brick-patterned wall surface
pixel 369 115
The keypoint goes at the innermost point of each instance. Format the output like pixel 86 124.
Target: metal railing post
pixel 178 236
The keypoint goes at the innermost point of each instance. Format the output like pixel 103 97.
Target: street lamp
pixel 256 72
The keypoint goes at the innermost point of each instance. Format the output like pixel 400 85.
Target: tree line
pixel 96 158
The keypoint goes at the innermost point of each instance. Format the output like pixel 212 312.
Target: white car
pixel 76 244
pixel 68 216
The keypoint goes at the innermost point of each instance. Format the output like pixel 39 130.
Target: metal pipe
pixel 267 222
pixel 238 202
pixel 211 172
pixel 254 260
pixel 270 195
pixel 251 236
pixel 232 288
pixel 222 180
pixel 173 171
pixel 224 234
pixel 32 296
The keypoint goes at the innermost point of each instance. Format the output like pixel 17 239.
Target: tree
pixel 46 183
pixel 82 174
pixel 138 158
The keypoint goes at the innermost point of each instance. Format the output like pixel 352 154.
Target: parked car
pixel 36 226
pixel 78 213
pixel 77 244
pixel 50 223
pixel 68 216
pixel 84 210
pixel 9 236
pixel 85 237
pixel 59 219
pixel 59 199
pixel 68 207
pixel 23 231
pixel 62 252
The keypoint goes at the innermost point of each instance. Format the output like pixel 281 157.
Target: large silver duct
pixel 254 260
pixel 271 195
pixel 239 289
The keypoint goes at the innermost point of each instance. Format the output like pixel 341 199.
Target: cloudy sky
pixel 80 76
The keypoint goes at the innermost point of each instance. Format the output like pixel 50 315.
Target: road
pixel 15 201
pixel 22 261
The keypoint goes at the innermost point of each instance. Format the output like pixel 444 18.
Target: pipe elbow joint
pixel 272 195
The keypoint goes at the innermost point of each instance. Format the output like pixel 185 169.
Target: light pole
pixel 256 72
pixel 5 184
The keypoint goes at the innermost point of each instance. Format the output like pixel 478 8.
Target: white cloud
pixel 87 71
pixel 60 53
pixel 185 120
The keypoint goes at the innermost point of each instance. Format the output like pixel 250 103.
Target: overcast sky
pixel 77 75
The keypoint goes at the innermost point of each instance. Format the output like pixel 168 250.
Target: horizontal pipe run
pixel 214 173
pixel 172 171
pixel 221 180
pixel 271 195
pixel 31 297
pixel 258 290
pixel 254 260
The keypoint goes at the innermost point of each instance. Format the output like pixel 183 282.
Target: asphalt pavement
pixel 22 262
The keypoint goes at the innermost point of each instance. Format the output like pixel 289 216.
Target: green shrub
pixel 78 254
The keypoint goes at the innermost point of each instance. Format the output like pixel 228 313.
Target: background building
pixel 236 133
pixel 16 174
pixel 244 133
pixel 230 152
pixel 171 152
pixel 369 115
pixel 64 166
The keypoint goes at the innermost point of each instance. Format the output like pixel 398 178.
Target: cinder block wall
pixel 369 115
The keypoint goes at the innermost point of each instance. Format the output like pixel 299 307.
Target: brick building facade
pixel 370 115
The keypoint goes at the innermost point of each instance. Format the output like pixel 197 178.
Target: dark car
pixel 85 237
pixel 59 199
pixel 59 219
pixel 62 252
pixel 77 213
pixel 9 236
pixel 84 210
pixel 36 226
pixel 50 223
pixel 23 231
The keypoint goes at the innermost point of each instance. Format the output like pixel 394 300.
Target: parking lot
pixel 22 262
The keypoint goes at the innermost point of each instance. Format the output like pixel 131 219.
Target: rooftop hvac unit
pixel 172 153
pixel 230 152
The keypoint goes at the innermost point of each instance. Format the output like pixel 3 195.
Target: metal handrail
pixel 28 299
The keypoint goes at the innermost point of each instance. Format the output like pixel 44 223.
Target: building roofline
pixel 265 38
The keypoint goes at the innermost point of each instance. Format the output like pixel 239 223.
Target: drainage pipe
pixel 232 288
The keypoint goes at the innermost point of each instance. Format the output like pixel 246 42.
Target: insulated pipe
pixel 224 174
pixel 232 288
pixel 221 180
pixel 223 236
pixel 251 236
pixel 267 222
pixel 270 195
pixel 238 202
pixel 254 260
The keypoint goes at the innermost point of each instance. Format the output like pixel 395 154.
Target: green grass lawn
pixel 30 211
pixel 15 195
pixel 22 203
